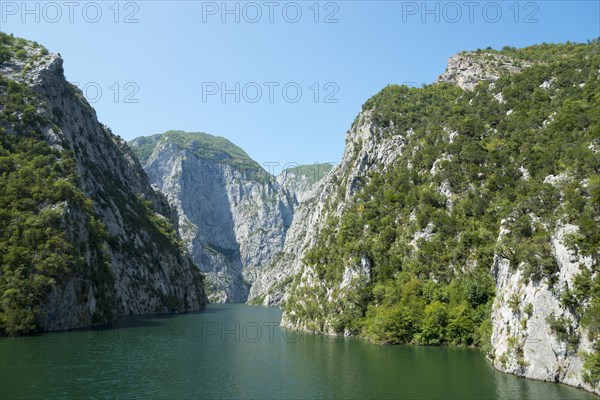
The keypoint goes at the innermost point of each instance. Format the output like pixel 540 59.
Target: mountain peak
pixel 203 145
pixel 468 68
pixel 27 62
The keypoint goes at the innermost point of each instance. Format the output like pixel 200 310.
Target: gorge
pixel 463 213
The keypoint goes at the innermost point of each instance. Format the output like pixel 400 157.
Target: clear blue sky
pixel 178 50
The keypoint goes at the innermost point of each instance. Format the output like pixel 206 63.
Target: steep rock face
pixel 147 270
pixel 538 327
pixel 526 315
pixel 299 180
pixel 233 215
pixel 466 69
pixel 365 151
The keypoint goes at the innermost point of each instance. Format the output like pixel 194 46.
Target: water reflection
pixel 240 351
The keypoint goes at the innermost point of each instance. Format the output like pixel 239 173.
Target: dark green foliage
pixel 586 298
pixel 38 186
pixel 166 231
pixel 545 52
pixel 5 54
pixel 11 46
pixel 206 146
pixel 591 366
pixel 144 146
pixel 430 254
pixel 563 330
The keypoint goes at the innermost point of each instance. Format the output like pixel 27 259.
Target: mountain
pixel 463 213
pixel 303 183
pixel 300 179
pixel 84 236
pixel 233 215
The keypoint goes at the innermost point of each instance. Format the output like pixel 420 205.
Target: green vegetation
pixel 144 146
pixel 12 47
pixel 514 303
pixel 205 146
pixel 314 172
pixel 591 366
pixel 429 225
pixel 163 229
pixel 540 53
pixel 563 330
pixel 53 248
pixel 586 295
pixel 38 187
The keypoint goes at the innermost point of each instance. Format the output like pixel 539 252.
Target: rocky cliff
pixel 300 179
pixel 305 185
pixel 87 238
pixel 329 195
pixel 233 214
pixel 467 69
pixel 537 332
pixel 463 213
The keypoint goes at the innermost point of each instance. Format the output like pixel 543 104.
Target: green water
pixel 238 351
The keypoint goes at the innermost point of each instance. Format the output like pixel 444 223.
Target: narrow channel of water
pixel 239 351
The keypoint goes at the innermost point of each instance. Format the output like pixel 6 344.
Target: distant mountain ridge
pixel 203 145
pixel 233 215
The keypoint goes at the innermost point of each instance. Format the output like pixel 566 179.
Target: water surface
pixel 239 351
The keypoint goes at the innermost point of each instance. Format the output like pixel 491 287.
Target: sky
pixel 283 80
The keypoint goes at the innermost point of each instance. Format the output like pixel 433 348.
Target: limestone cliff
pixel 363 153
pixel 456 216
pixel 535 334
pixel 125 256
pixel 233 214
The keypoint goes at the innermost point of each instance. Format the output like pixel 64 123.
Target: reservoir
pixel 239 351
